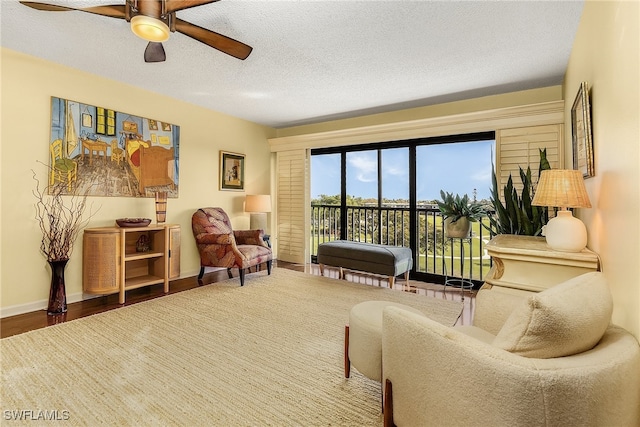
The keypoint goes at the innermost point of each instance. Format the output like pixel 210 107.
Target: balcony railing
pixel 434 253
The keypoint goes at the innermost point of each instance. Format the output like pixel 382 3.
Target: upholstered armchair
pixel 545 359
pixel 220 246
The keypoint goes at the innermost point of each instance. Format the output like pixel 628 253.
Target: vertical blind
pixel 292 203
pixel 520 147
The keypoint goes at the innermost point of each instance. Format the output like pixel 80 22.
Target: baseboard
pixel 14 310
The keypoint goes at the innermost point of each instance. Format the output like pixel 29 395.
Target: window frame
pixel 412 144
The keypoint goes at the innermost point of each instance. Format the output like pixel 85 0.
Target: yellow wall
pixel 605 54
pixel 27 86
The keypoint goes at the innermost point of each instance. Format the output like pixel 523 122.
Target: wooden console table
pixel 527 263
pixel 113 260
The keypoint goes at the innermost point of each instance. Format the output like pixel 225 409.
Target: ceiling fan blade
pixel 154 53
pixel 217 41
pixel 174 5
pixel 112 11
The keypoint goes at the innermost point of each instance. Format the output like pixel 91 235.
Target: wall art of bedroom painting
pixel 109 153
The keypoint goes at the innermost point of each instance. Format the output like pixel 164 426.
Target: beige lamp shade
pixel 562 188
pixel 258 203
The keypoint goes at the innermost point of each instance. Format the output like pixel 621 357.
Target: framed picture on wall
pixel 87 120
pixel 231 171
pixel 94 141
pixel 581 132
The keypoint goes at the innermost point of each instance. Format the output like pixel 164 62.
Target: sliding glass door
pixel 458 168
pixel 386 193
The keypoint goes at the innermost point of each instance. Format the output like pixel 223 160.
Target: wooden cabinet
pixel 527 263
pixel 174 251
pixel 116 259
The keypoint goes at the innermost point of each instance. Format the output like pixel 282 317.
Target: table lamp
pixel 564 189
pixel 258 205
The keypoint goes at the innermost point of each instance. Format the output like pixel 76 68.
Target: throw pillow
pixel 566 319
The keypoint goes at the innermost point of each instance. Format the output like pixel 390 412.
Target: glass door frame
pixel 412 145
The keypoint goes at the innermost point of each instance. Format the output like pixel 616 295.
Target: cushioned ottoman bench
pixel 368 257
pixel 363 338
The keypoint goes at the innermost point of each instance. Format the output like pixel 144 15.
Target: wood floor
pixel 39 319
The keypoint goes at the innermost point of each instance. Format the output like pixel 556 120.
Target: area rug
pixel 269 353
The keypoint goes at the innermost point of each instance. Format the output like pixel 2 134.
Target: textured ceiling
pixel 317 60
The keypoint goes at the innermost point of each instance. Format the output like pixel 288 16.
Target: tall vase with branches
pixel 60 216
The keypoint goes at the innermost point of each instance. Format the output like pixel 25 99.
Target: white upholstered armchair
pixel 549 359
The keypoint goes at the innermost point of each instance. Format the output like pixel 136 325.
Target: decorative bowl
pixel 133 222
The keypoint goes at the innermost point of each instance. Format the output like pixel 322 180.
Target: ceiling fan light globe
pixel 150 29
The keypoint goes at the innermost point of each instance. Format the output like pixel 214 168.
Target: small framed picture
pixel 231 171
pixel 87 120
pixel 581 133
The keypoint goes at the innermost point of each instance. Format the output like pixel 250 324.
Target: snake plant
pixel 517 215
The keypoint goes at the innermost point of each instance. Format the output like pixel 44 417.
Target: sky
pixel 455 168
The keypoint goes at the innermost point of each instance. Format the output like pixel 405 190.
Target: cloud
pixel 366 167
pixel 483 175
pixel 396 171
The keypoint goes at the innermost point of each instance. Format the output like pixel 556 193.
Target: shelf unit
pixel 114 262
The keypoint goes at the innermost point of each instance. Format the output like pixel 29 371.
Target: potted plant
pixel 458 213
pixel 517 215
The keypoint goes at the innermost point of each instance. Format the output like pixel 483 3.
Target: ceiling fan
pixel 153 20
